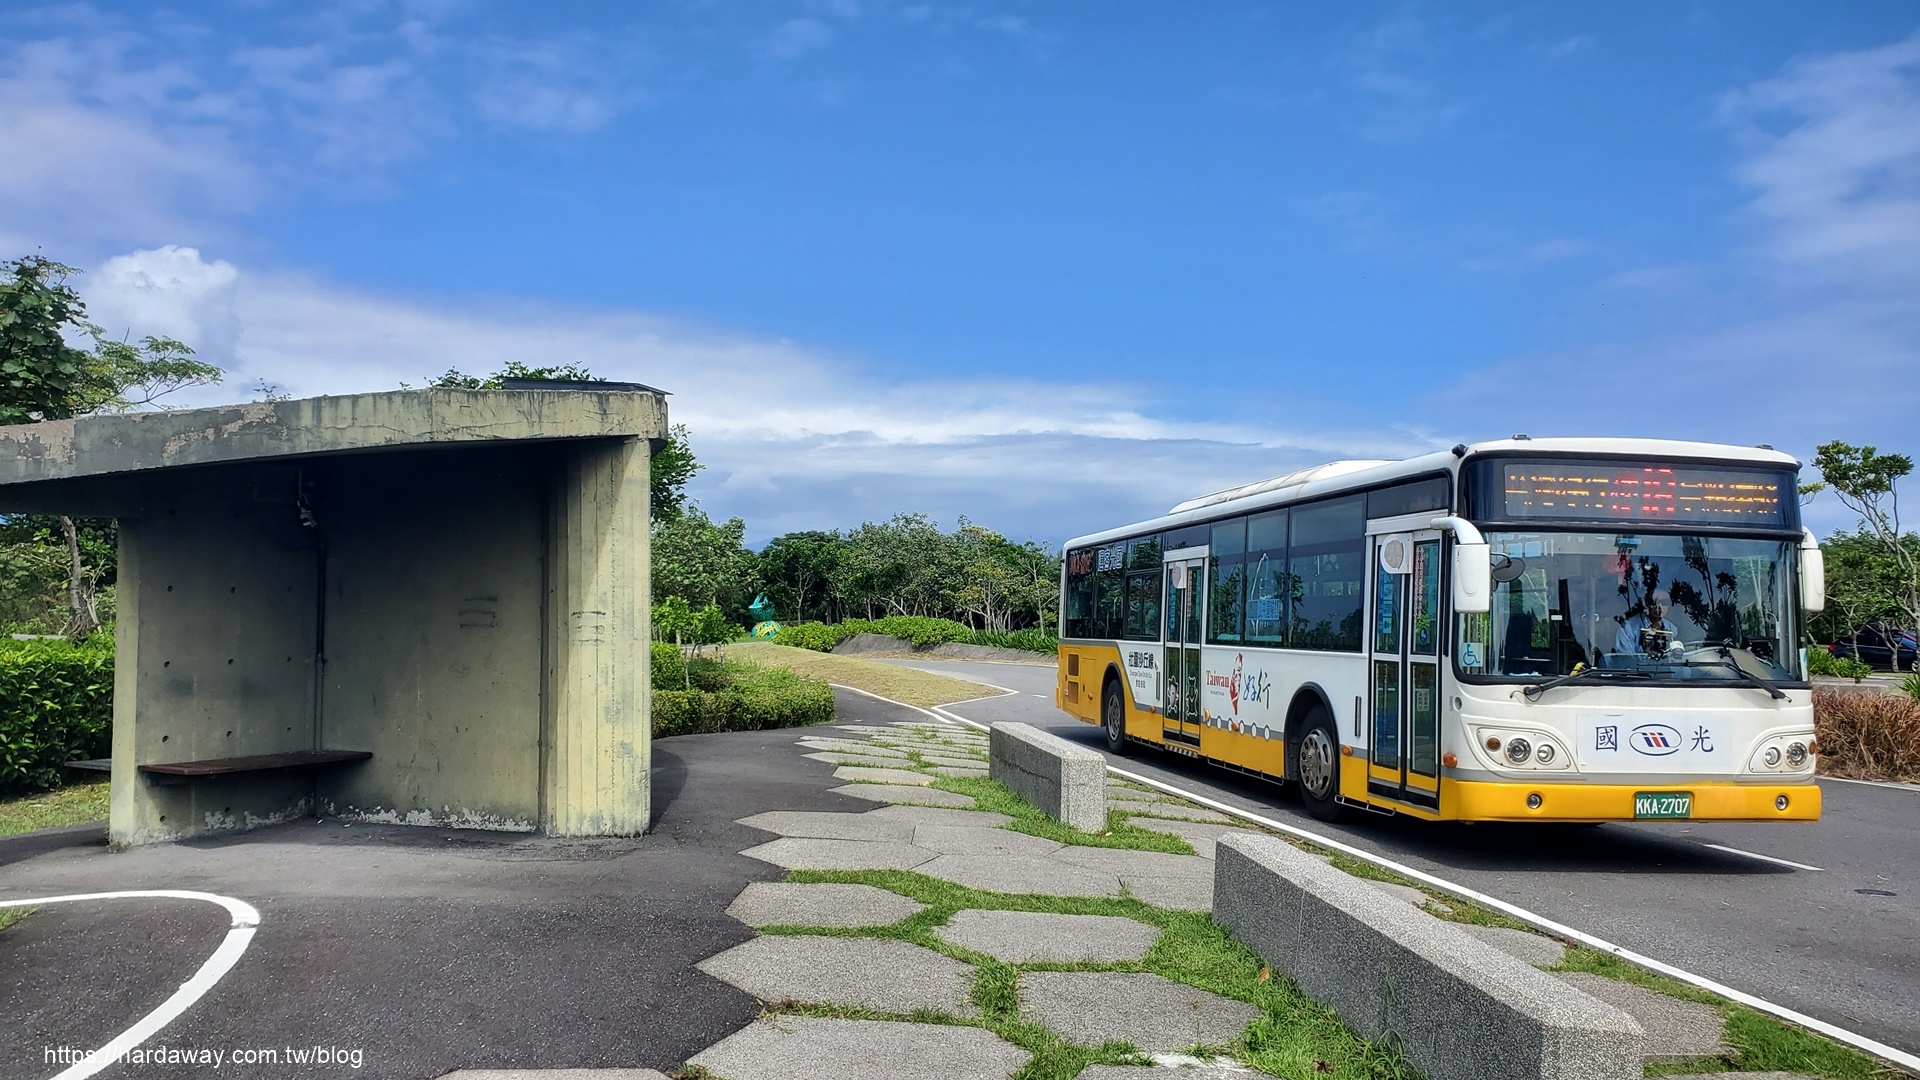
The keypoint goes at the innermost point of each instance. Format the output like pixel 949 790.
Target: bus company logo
pixel 1655 740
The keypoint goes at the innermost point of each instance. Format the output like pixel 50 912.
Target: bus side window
pixel 1326 557
pixel 1076 616
pixel 1266 571
pixel 1226 584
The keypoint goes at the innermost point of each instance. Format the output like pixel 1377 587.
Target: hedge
pixel 732 697
pixel 56 706
pixel 923 633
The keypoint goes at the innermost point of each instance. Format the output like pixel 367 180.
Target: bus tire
pixel 1113 718
pixel 1316 765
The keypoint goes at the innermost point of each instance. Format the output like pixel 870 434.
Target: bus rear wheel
pixel 1316 765
pixel 1113 718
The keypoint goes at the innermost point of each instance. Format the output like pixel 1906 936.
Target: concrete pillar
pixel 598 734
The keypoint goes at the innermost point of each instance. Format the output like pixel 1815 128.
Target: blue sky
pixel 1050 266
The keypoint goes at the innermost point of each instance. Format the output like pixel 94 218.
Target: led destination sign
pixel 1608 491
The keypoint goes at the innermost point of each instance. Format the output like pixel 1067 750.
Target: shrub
pixel 739 697
pixel 669 667
pixel 918 631
pixel 1821 662
pixel 1870 736
pixel 56 705
pixel 1910 686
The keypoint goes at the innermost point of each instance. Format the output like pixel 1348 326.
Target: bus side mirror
pixel 1472 579
pixel 1813 575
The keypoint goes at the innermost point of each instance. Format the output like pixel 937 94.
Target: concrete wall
pixel 434 630
pixel 214 651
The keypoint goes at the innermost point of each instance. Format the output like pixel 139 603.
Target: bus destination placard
pixel 1609 491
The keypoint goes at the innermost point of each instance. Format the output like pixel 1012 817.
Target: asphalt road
pixel 1809 939
pixel 421 950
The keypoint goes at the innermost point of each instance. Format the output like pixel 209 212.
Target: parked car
pixel 1876 646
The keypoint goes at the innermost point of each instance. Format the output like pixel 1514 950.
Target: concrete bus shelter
pixel 427 606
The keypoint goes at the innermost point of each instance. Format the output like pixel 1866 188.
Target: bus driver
pixel 1649 633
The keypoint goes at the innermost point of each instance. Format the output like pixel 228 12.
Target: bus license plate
pixel 1662 804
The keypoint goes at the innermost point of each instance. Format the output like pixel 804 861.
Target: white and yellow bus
pixel 1529 630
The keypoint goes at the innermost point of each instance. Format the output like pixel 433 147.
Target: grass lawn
pixel 69 805
pixel 908 685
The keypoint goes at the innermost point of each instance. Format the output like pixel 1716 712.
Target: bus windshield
pixel 1666 607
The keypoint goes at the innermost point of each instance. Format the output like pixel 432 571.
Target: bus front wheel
pixel 1113 718
pixel 1316 765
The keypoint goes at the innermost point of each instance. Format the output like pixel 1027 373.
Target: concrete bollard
pixel 1066 781
pixel 1456 1008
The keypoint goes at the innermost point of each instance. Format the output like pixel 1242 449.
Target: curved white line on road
pixel 246 919
pixel 1832 1031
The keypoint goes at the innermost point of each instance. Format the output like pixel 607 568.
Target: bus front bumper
pixel 1504 801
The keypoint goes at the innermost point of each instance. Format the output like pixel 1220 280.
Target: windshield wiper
pixel 1534 691
pixel 1745 676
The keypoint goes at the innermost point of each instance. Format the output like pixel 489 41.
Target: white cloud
pixel 794 437
pixel 1836 164
pixel 1383 61
pixel 797 37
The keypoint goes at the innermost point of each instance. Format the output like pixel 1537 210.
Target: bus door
pixel 1403 668
pixel 1186 611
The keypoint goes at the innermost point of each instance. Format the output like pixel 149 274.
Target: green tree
pixel 704 562
pixel 672 467
pixel 1865 480
pixel 799 568
pixel 44 376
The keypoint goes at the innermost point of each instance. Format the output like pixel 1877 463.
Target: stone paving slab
pixel 946 770
pixel 972 840
pixel 796 853
pixel 555 1074
pixel 1021 937
pixel 1536 949
pixel 787 1047
pixel 1168 810
pixel 870 973
pixel 1676 1030
pixel 1401 892
pixel 1203 835
pixel 782 903
pixel 1126 861
pixel 881 776
pixel 940 815
pixel 906 793
pixel 1151 1012
pixel 825 825
pixel 1043 875
pixel 836 757
pixel 1179 893
pixel 848 746
pixel 958 761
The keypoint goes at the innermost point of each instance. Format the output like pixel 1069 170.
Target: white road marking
pixel 246 918
pixel 1832 1031
pixel 1762 858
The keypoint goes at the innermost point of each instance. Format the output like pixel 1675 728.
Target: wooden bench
pixel 181 772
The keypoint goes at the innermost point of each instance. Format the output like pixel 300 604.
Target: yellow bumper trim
pixel 1502 801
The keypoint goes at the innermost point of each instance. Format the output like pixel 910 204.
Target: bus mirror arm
pixel 1813 573
pixel 1472 566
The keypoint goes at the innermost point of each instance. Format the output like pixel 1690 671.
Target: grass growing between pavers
pixel 74 804
pixel 1760 1042
pixel 909 686
pixel 995 798
pixel 1295 1038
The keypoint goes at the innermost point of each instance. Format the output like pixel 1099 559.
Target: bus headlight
pixel 1544 755
pixel 1518 750
pixel 1772 757
pixel 1796 754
